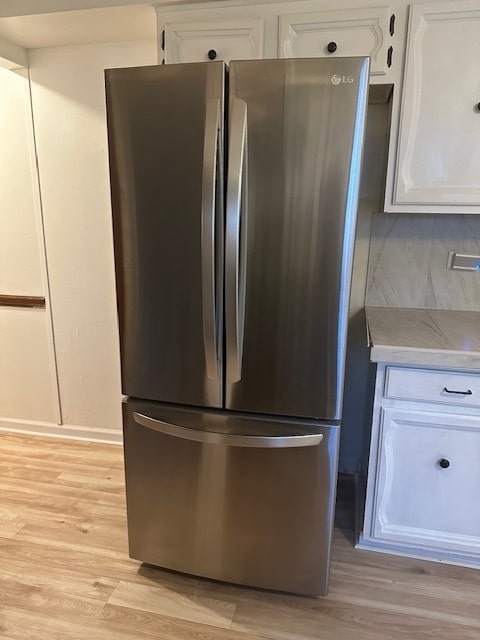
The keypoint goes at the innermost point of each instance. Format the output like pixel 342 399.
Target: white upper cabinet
pixel 353 32
pixel 438 153
pixel 239 39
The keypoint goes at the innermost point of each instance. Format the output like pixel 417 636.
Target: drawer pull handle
pixel 331 47
pixel 228 439
pixel 468 392
pixel 444 463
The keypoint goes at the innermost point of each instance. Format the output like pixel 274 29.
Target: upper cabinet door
pixel 438 160
pixel 356 32
pixel 213 40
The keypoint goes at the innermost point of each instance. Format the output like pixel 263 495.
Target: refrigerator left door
pixel 165 132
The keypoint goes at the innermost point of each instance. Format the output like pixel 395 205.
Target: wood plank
pixel 172 603
pixel 19 624
pixel 52 449
pixel 9 524
pixel 333 620
pixel 71 583
pixel 53 495
pixel 81 535
pixel 26 472
pixel 100 481
pixel 156 626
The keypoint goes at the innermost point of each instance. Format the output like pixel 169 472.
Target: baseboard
pixel 73 432
pixel 458 559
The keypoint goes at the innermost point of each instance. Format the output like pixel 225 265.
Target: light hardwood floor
pixel 65 572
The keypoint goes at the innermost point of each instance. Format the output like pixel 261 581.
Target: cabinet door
pixel 28 384
pixel 439 138
pixel 428 479
pixel 214 40
pixel 357 32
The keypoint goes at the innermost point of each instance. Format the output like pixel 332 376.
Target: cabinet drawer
pixel 445 387
pixel 428 480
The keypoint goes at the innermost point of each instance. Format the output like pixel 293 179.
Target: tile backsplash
pixel 408 261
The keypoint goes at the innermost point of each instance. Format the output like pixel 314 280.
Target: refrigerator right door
pixel 295 147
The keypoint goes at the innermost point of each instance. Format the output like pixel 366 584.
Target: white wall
pixel 70 127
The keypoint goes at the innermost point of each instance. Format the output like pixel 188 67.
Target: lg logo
pixel 341 79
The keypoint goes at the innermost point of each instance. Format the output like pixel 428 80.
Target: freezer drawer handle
pixel 227 439
pixel 209 190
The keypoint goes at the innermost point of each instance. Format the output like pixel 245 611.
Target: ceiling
pixel 113 24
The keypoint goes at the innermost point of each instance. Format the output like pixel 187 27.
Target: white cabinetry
pixel 271 30
pixel 354 32
pixel 28 384
pixel 240 39
pixel 215 33
pixel 424 471
pixel 438 153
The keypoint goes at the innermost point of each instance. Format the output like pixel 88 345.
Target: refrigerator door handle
pixel 227 439
pixel 209 185
pixel 235 243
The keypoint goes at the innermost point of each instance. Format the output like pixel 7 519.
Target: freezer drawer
pixel 230 497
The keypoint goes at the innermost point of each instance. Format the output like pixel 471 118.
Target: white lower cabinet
pixel 424 470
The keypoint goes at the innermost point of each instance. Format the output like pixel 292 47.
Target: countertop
pixel 435 337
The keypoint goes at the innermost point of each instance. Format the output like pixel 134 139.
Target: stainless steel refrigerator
pixel 234 194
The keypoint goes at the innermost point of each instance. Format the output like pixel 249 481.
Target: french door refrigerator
pixel 234 194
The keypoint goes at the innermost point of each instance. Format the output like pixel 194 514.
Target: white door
pixel 439 138
pixel 428 479
pixel 28 386
pixel 357 32
pixel 240 39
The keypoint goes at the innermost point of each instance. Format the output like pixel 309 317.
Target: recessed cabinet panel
pixel 439 138
pixel 214 40
pixel 428 480
pixel 357 32
pixel 28 387
pixel 21 264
